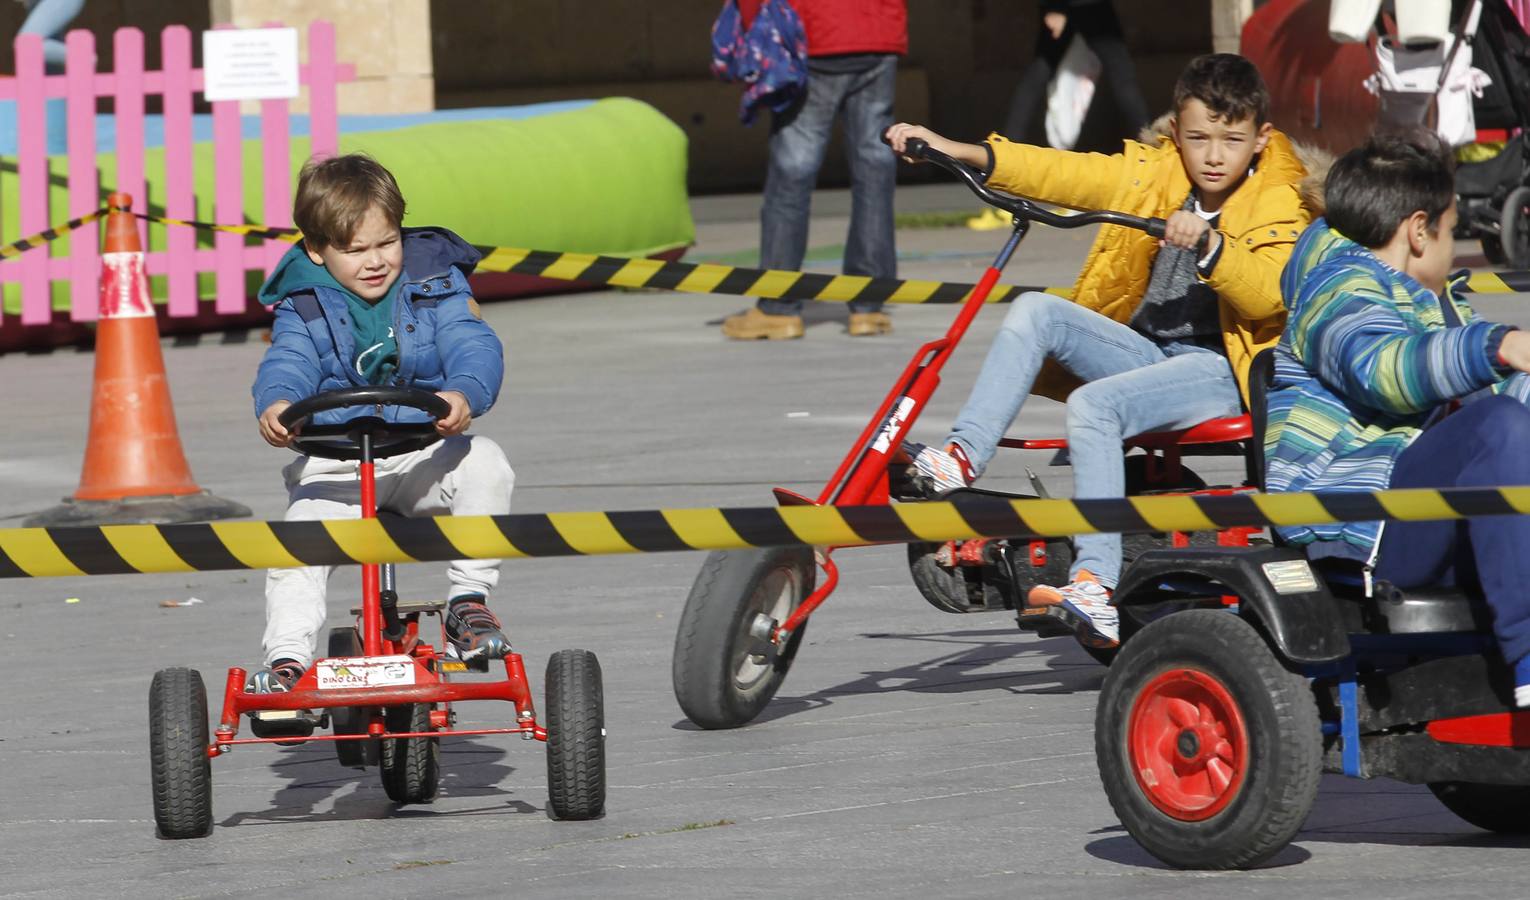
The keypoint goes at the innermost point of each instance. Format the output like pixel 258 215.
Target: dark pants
pixel 1101 30
pixel 1484 444
pixel 862 101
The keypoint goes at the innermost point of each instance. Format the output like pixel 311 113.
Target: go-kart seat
pixel 1388 609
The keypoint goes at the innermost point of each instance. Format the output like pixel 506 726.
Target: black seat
pixel 1388 609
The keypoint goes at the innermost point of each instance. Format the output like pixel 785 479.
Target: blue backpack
pixel 770 58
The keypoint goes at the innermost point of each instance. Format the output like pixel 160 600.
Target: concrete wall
pixel 387 40
pixel 965 57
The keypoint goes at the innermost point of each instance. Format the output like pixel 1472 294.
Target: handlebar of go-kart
pixel 1020 208
pixel 343 440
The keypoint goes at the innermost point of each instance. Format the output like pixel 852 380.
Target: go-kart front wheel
pixel 180 769
pixel 576 736
pixel 1209 748
pixel 1504 808
pixel 411 767
pixel 346 642
pixel 722 679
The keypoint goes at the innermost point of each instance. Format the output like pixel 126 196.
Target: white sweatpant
pixel 464 475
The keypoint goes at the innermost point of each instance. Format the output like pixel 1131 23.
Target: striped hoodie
pixel 1365 359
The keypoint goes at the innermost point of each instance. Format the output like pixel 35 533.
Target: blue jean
pixel 798 139
pixel 1133 385
pixel 1481 445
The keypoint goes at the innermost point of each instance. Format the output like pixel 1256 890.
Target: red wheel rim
pixel 1187 744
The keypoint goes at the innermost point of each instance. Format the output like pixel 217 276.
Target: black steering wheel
pixel 344 441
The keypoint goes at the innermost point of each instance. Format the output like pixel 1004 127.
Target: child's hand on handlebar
pixel 1186 230
pixel 461 416
pixel 271 427
pixel 898 136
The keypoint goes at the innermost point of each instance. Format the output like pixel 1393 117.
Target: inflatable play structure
pixel 600 176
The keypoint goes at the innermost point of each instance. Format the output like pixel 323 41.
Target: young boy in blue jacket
pixel 1375 354
pixel 363 301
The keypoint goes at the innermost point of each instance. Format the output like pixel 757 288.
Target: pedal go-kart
pixel 744 619
pixel 1245 673
pixel 385 692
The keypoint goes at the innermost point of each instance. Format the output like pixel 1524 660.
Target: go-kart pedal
pixel 286 723
pixel 1050 621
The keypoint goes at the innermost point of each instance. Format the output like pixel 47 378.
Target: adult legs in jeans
pixel 870 248
pixel 1039 326
pixel 1481 445
pixel 798 139
pixel 1190 386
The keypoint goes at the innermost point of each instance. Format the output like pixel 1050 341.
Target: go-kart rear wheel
pixel 180 770
pixel 1514 228
pixel 1209 748
pixel 344 642
pixel 720 678
pixel 576 736
pixel 1504 808
pixel 411 767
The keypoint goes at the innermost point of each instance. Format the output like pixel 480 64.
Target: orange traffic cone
pixel 135 470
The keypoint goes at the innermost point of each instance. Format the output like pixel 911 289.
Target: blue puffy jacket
pixel 442 343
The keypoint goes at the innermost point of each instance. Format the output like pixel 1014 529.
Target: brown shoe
pixel 752 325
pixel 868 324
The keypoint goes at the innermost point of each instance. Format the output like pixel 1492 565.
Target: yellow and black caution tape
pixel 16 248
pixel 123 549
pixel 261 231
pixel 699 278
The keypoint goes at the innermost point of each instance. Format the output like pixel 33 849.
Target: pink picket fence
pixel 184 257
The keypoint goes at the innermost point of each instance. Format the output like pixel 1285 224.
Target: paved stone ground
pixel 909 753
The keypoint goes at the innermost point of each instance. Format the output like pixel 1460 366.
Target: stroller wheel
pixel 1515 229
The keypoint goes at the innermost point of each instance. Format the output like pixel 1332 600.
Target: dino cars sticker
pixel 365 672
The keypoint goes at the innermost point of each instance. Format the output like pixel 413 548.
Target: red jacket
pixel 836 27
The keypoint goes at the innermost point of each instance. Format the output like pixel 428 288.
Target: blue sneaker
pixel 277 678
pixel 1522 683
pixel 474 632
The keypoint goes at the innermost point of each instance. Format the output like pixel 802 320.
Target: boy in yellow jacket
pixel 1162 333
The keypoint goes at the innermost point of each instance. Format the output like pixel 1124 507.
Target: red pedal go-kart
pixel 386 693
pixel 744 619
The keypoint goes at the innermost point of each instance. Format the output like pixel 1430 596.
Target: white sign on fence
pixel 250 63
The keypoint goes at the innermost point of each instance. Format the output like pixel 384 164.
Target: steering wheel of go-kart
pixel 343 441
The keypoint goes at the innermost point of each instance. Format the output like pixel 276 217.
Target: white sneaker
pixel 948 467
pixel 1086 597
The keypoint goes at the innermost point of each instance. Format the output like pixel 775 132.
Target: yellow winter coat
pixel 1259 224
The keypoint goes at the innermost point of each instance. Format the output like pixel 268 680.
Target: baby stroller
pixel 1493 195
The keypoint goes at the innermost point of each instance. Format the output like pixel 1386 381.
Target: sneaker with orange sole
pixel 1087 601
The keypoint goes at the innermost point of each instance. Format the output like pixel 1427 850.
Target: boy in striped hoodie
pixel 1376 352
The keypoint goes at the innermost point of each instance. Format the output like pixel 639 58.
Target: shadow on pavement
pixel 468 769
pixel 967 669
pixel 1348 811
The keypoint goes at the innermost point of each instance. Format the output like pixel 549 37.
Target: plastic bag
pixel 1405 80
pixel 1070 93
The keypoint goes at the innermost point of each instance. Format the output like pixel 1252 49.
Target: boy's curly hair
pixel 1229 85
pixel 335 193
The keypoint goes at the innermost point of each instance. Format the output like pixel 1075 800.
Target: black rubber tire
pixel 1504 808
pixel 1492 248
pixel 343 642
pixel 180 770
pixel 1284 741
pixel 711 681
pixel 411 767
pixel 576 737
pixel 1515 228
